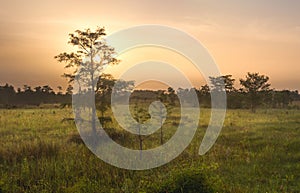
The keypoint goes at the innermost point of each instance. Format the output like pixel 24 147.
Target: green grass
pixel 255 153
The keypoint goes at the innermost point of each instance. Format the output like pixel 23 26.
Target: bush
pixel 187 181
pixel 75 138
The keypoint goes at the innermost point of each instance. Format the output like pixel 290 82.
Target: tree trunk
pixel 161 136
pixel 161 129
pixel 140 142
pixel 93 94
pixel 94 121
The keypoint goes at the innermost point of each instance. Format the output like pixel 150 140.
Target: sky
pixel 242 36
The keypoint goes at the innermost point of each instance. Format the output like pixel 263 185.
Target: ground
pixel 256 152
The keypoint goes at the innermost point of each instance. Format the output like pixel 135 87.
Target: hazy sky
pixel 243 36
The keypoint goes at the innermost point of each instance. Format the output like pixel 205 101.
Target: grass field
pixel 255 153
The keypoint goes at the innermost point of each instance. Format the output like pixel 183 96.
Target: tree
pixel 7 94
pixel 140 115
pixel 38 89
pixel 47 90
pixel 282 99
pixel 122 90
pixel 92 55
pixel 162 97
pixel 27 89
pixel 222 81
pixel 59 90
pixel 162 112
pixel 171 96
pixel 204 95
pixel 229 83
pixel 105 85
pixel 204 90
pixel 104 89
pixel 255 85
pixel 69 90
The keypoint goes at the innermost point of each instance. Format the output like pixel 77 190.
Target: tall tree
pixel 92 55
pixel 255 85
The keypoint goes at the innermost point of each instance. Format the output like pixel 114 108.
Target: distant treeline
pixel 236 99
pixel 254 92
pixel 11 98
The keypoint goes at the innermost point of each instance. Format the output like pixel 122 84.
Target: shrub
pixel 75 138
pixel 187 181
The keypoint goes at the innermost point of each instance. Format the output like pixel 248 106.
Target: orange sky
pixel 242 36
